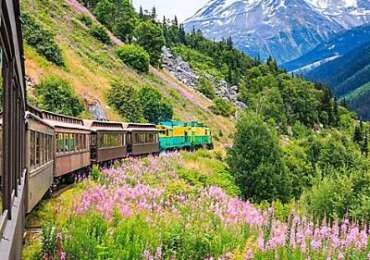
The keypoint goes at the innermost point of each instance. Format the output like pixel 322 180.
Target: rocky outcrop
pixel 179 68
pixel 96 109
pixel 184 73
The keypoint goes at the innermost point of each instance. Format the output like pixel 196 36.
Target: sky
pixel 182 8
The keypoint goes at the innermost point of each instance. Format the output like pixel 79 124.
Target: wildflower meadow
pixel 158 208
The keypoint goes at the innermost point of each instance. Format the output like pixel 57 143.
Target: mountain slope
pixel 345 74
pixel 91 66
pixel 348 77
pixel 337 46
pixel 285 29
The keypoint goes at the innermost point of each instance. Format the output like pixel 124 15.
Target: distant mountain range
pixel 337 46
pixel 349 77
pixel 284 29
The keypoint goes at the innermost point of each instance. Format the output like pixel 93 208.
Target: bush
pixel 206 88
pixel 338 195
pixel 124 99
pixel 223 107
pixel 41 39
pixel 135 57
pixel 86 20
pixel 101 34
pixel 56 95
pixel 155 109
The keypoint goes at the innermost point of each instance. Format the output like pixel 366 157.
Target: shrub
pixel 135 57
pixel 155 109
pixel 101 34
pixel 124 99
pixel 338 195
pixel 41 39
pixel 206 88
pixel 223 107
pixel 86 20
pixel 56 95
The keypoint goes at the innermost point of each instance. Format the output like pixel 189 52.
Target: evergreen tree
pixel 357 136
pixel 141 13
pixel 256 161
pixel 154 13
pixel 230 43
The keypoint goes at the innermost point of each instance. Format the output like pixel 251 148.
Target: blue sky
pixel 182 8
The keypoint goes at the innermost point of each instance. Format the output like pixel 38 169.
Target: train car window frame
pixel 37 150
pixel 32 149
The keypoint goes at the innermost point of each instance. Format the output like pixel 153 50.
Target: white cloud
pixel 182 8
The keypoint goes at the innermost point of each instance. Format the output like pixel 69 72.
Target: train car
pixel 184 135
pixel 141 139
pixel 39 159
pixel 72 143
pixel 107 141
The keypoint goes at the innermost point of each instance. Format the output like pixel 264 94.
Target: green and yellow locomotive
pixel 175 135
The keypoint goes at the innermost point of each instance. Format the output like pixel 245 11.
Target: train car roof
pixel 96 125
pixel 62 121
pixel 38 119
pixel 140 127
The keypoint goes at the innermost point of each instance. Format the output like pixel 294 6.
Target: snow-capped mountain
pixel 285 29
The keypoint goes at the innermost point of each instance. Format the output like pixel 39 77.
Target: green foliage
pixel 256 160
pixel 155 109
pixel 86 237
pixel 86 20
pixel 100 33
pixel 134 56
pixel 56 95
pixel 223 107
pixel 41 39
pixel 136 106
pixel 150 37
pixel 206 88
pixel 119 16
pixel 124 99
pixel 48 241
pixel 339 195
pixel 96 173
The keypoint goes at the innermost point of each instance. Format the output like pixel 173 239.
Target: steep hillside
pixel 337 46
pixel 91 66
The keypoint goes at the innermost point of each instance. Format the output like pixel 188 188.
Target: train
pixel 60 147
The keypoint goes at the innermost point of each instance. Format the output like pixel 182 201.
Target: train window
pixel 32 149
pixel 42 148
pixel 37 153
pixel 150 138
pixel 84 146
pixel 60 142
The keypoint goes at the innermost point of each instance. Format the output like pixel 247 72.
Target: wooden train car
pixel 142 139
pixel 107 141
pixel 184 135
pixel 72 143
pixel 39 159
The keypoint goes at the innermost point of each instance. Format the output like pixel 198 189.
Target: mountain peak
pixel 285 29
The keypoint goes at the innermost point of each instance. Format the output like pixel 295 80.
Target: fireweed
pixel 209 223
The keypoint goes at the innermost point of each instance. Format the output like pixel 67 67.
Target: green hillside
pixel 91 66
